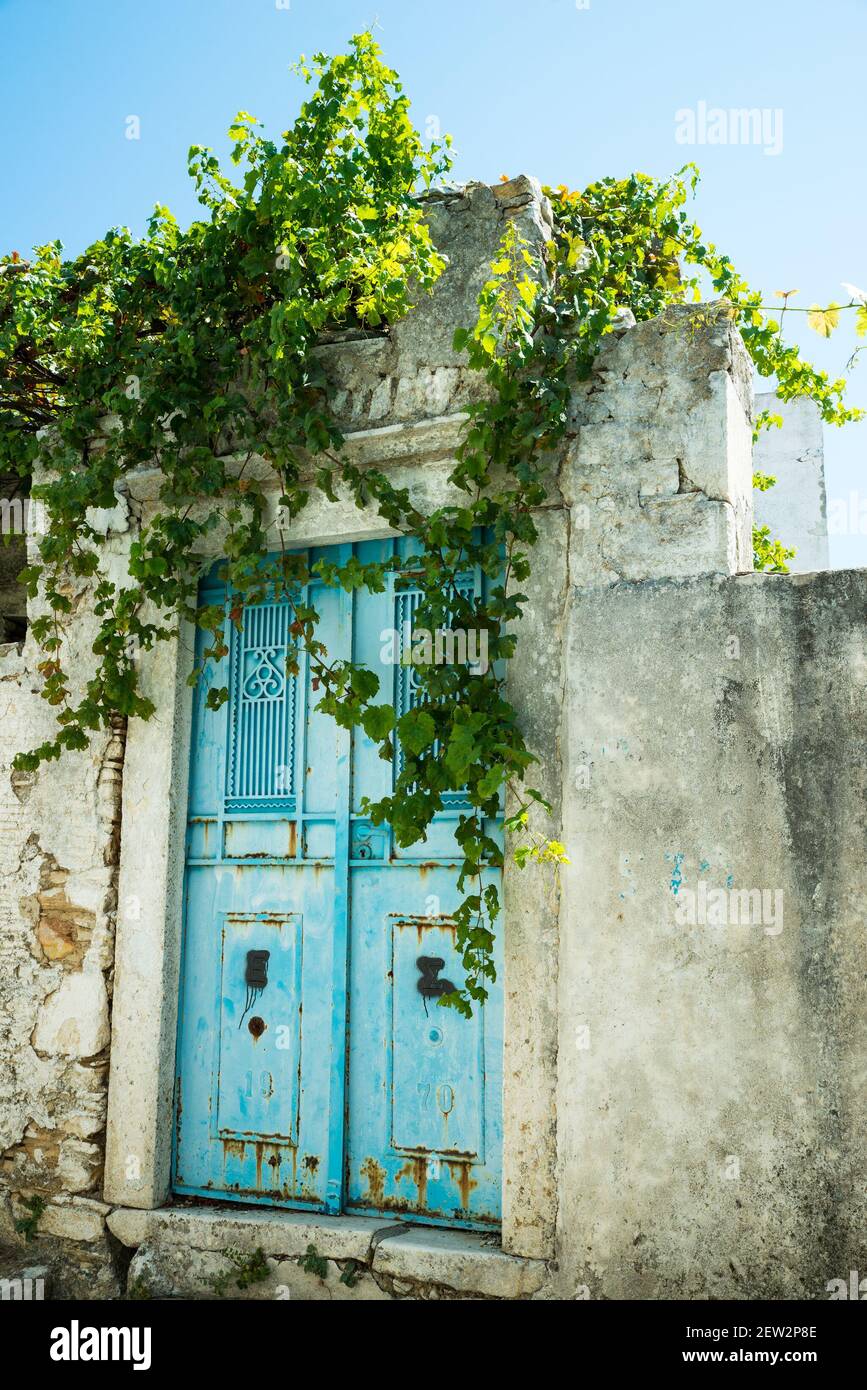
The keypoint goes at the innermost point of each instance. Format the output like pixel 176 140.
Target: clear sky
pixel 568 92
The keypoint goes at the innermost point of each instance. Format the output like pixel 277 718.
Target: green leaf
pixel 461 750
pixel 363 683
pixel 378 722
pixel 493 779
pixel 416 730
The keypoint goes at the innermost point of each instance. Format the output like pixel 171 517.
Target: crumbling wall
pixel 413 373
pixel 59 848
pixel 657 475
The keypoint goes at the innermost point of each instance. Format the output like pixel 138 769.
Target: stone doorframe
pixel 150 893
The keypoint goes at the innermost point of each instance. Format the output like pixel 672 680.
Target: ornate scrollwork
pixel 266 681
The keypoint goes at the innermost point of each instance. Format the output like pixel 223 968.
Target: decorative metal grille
pixel 260 769
pixel 408 692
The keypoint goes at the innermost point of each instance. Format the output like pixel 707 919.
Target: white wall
pixel 795 508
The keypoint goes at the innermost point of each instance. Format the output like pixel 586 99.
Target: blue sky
pixel 548 88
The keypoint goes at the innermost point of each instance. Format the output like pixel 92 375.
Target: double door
pixel 315 1069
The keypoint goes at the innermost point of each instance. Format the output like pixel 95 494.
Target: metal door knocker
pixel 255 978
pixel 430 986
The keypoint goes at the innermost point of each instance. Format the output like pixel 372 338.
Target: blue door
pixel 315 1070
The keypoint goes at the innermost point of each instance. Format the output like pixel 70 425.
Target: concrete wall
pixel 711 1077
pixel 795 509
pixel 680 1099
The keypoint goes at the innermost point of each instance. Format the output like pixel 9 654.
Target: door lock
pixel 430 986
pixel 255 978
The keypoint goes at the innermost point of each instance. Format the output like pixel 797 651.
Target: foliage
pixel 27 1226
pixel 246 1269
pixel 314 1263
pixel 350 1273
pixel 194 351
pixel 769 554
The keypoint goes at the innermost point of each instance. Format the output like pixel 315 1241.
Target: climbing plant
pixel 195 351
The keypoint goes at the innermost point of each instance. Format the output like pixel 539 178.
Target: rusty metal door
pixel 313 1071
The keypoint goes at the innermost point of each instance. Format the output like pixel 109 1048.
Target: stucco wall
pixel 711 1077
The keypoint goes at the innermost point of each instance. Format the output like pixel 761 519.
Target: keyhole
pixel 257 1026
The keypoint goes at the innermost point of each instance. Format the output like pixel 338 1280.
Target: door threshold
pixel 418 1257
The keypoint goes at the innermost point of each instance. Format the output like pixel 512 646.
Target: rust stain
pixel 405 1206
pixel 257 1027
pixel 283 1192
pixel 399 1204
pixel 416 1170
pixel 423 924
pixel 375 1175
pixel 311 1161
pixel 409 919
pixel 460 1171
pixel 293 839
pixel 233 1148
pixel 460 1155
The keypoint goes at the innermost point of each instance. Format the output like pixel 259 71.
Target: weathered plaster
pixel 711 1081
pixel 795 508
pixel 59 833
